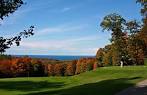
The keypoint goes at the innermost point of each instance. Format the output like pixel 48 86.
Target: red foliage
pixel 21 67
pixel 5 68
pixel 95 65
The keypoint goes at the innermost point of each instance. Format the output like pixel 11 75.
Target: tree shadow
pixel 142 90
pixel 28 85
pixel 106 87
pixel 139 91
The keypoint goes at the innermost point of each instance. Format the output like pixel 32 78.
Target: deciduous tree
pixel 8 7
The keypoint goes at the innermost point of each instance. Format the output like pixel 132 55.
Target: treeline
pixel 108 56
pixel 28 67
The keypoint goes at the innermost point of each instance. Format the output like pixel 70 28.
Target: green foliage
pixel 89 67
pixel 116 24
pixel 129 39
pixel 128 42
pixel 145 61
pixel 113 22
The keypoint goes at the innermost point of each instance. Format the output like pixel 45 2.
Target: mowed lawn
pixel 103 81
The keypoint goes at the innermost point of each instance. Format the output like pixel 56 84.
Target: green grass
pixel 103 81
pixel 145 61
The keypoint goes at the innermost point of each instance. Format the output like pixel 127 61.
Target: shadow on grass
pixel 28 85
pixel 139 91
pixel 134 91
pixel 106 87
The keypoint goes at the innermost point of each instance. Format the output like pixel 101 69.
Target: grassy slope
pixel 103 81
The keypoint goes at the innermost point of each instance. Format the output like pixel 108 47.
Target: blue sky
pixel 65 27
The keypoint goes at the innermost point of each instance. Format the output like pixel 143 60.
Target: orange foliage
pixel 59 69
pixel 50 69
pixel 70 69
pixel 25 66
pixel 20 67
pixel 5 68
pixel 84 64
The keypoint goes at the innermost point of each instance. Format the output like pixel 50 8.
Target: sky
pixel 64 27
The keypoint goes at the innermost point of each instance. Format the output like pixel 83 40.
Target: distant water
pixel 57 57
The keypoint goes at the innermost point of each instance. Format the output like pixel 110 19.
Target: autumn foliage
pixel 70 69
pixel 28 67
pixel 95 66
pixel 20 67
pixel 84 64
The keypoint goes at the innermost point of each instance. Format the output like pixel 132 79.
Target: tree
pixel 84 64
pixel 135 44
pixel 6 43
pixel 129 39
pixel 115 23
pixel 50 69
pixel 70 68
pixel 59 69
pixel 100 56
pixel 127 46
pixel 143 33
pixel 144 7
pixel 8 7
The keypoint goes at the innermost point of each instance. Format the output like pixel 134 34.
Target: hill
pixel 103 81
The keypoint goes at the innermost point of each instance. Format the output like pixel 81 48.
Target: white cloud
pixel 61 28
pixel 65 46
